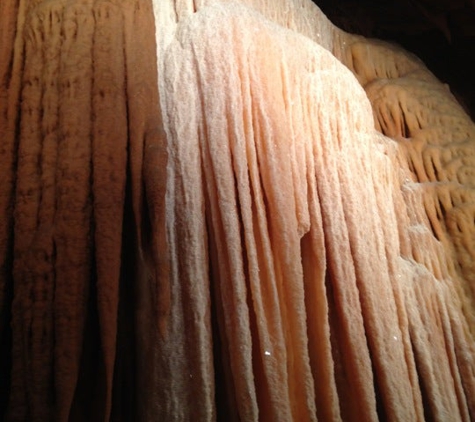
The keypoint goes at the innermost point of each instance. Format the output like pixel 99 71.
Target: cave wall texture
pixel 235 210
pixel 441 33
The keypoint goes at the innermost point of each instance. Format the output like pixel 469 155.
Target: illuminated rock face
pixel 336 299
pixel 276 257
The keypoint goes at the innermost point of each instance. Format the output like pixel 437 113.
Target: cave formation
pixel 236 211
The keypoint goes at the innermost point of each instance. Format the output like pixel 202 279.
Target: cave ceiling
pixel 440 32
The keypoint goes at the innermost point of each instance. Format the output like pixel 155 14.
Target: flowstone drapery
pixel 279 227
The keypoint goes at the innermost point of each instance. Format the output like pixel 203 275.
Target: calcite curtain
pixel 222 210
pixel 80 129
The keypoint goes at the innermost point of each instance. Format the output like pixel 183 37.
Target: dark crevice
pixel 380 399
pixel 341 378
pixel 88 402
pixel 428 416
pixel 406 131
pixel 380 409
pixel 6 335
pixel 436 170
pixel 443 211
pixel 226 407
pixel 435 232
pixel 123 393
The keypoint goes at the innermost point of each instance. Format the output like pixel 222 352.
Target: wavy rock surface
pixel 312 258
pixel 80 129
pixel 315 220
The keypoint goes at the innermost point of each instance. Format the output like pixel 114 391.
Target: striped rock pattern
pixel 222 210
